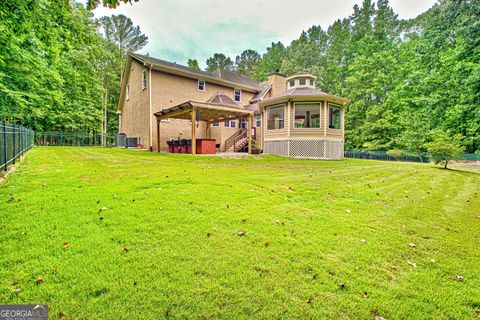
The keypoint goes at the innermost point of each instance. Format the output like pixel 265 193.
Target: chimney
pixel 278 83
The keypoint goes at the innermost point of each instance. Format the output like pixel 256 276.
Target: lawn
pixel 121 234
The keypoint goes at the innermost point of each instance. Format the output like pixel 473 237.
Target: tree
pixel 219 61
pixel 271 61
pixel 92 4
pixel 193 64
pixel 128 38
pixel 246 61
pixel 444 147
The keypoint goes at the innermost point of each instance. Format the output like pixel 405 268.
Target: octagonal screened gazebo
pixel 219 108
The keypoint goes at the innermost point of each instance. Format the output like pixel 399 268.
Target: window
pixel 275 117
pixel 311 82
pixel 238 94
pixel 230 123
pixel 334 115
pixel 215 124
pixel 292 83
pixel 201 85
pixel 144 79
pixel 307 116
pixel 127 92
pixel 258 120
pixel 303 81
pixel 242 123
pixel 168 120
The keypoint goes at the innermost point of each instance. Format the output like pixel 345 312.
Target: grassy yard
pixel 118 234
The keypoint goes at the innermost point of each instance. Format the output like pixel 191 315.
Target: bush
pixel 397 154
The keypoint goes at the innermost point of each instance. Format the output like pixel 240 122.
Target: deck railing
pixel 15 140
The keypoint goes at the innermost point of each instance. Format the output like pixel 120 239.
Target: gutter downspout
pixel 150 106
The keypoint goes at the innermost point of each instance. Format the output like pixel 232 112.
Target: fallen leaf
pixel 460 278
pixel 102 209
pixel 348 211
pixel 476 314
pixel 413 264
pixel 209 234
pixel 373 311
pixel 17 291
pixel 101 218
pixel 61 314
pixel 44 185
pixel 412 245
pixel 315 276
pixel 125 250
pixel 40 280
pixel 167 313
pixel 364 294
pixel 66 244
pixel 363 240
pixel 277 221
pixel 227 206
pixel 266 244
pixel 241 233
pixel 341 285
pixel 309 300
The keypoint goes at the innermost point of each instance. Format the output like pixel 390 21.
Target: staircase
pixel 239 140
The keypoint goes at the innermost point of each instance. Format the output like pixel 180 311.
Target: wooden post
pixel 208 129
pixel 158 135
pixel 194 139
pixel 249 126
pixel 325 106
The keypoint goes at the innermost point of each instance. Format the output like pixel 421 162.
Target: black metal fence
pixel 406 156
pixel 15 140
pixel 74 139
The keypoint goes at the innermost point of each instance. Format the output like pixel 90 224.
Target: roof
pixel 221 98
pixel 307 93
pixel 265 87
pixel 301 75
pixel 252 107
pixel 219 74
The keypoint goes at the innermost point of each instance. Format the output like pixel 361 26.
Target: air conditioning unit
pixel 132 142
pixel 121 140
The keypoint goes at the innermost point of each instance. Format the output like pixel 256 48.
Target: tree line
pixel 60 69
pixel 408 80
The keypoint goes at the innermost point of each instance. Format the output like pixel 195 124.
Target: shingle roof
pixel 301 91
pixel 264 87
pixel 221 98
pixel 218 74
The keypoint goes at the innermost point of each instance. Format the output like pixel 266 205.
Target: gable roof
pixel 227 77
pixel 221 98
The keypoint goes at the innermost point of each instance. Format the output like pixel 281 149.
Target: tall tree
pixel 271 61
pixel 246 61
pixel 127 37
pixel 92 4
pixel 219 61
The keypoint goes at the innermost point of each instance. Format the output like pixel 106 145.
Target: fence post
pixel 5 151
pixel 13 144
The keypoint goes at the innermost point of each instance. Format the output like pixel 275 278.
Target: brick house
pixel 289 116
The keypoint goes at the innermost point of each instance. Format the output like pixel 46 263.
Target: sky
pixel 181 29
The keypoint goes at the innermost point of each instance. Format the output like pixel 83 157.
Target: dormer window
pixel 201 85
pixel 238 95
pixel 311 82
pixel 303 81
pixel 292 83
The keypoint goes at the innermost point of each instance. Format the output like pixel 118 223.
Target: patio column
pixel 249 126
pixel 158 135
pixel 208 128
pixel 194 139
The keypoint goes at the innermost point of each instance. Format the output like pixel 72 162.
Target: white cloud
pixel 182 29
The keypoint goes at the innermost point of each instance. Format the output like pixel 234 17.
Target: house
pixel 160 101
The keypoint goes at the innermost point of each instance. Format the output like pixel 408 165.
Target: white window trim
pixel 258 116
pixel 230 123
pixel 328 112
pixel 284 115
pixel 144 79
pixel 294 83
pixel 239 95
pixel 127 92
pixel 204 85
pixel 303 104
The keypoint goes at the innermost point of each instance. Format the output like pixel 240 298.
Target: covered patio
pixel 204 111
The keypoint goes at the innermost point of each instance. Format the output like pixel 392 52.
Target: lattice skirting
pixel 317 149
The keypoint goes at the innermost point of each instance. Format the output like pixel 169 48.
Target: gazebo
pixel 219 108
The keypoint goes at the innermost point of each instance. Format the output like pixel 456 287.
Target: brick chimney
pixel 278 82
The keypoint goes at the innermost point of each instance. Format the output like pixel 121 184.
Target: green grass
pixel 180 218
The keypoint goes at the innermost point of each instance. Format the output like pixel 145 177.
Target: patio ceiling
pixel 209 112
